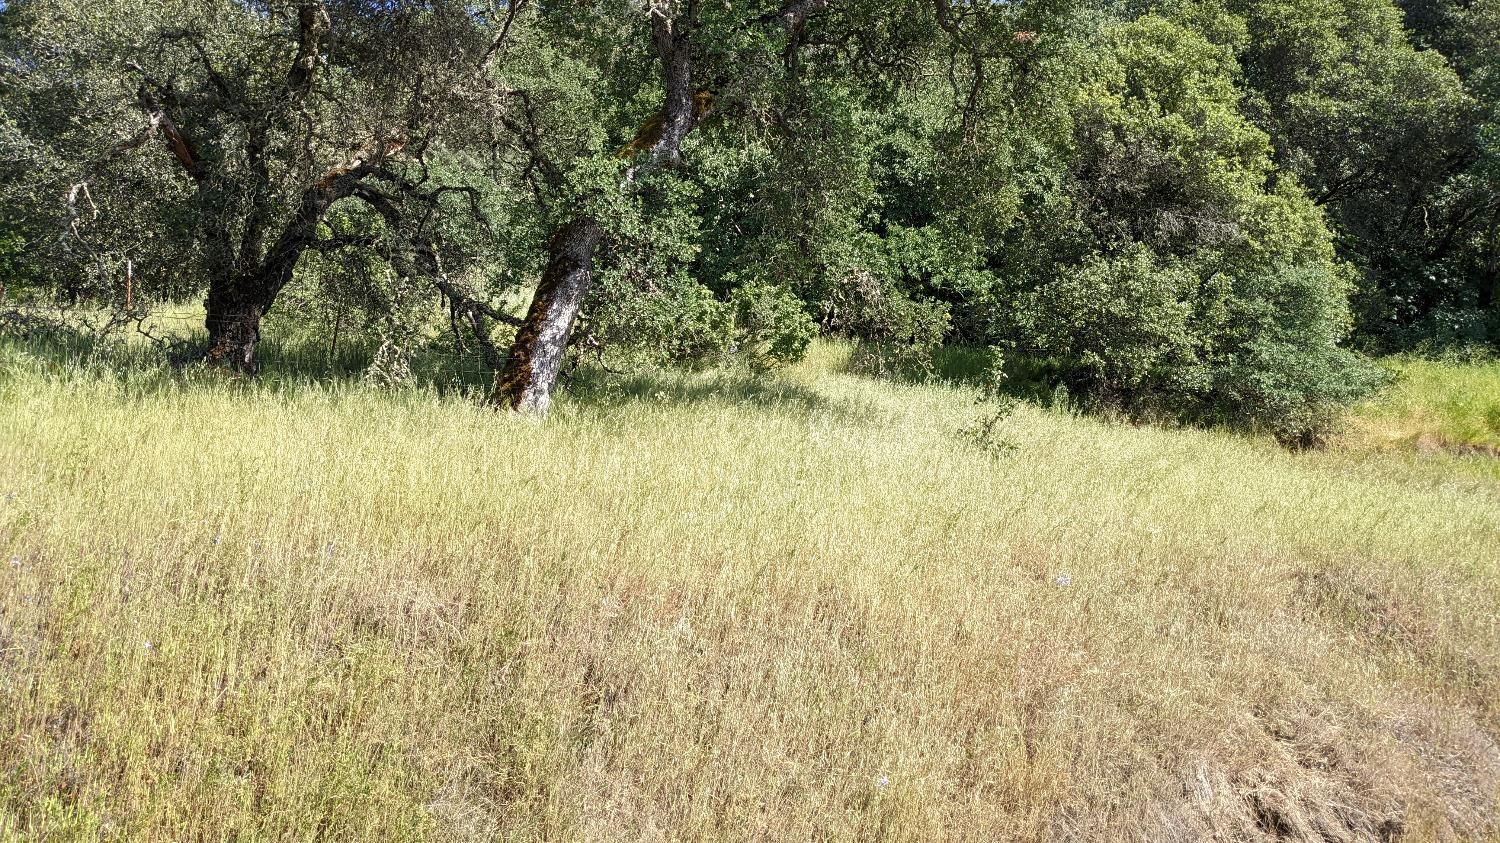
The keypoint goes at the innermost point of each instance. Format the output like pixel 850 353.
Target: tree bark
pixel 237 303
pixel 233 329
pixel 537 355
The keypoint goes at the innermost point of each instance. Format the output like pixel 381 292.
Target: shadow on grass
pixel 592 387
pixel 965 365
pixel 63 350
pixel 1034 380
pixel 294 365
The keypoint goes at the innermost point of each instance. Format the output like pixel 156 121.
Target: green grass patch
pixel 1435 404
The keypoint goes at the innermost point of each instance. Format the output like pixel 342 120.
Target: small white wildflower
pixel 15 561
pixel 883 781
pixel 216 539
pixel 1063 579
pixel 150 646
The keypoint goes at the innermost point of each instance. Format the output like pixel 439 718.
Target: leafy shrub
pixel 1117 329
pixel 681 321
pixel 1276 360
pixel 771 326
pixel 1151 340
pixel 985 431
pixel 896 333
pixel 1191 281
pixel 675 321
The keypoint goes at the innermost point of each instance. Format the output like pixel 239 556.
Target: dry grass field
pixel 714 607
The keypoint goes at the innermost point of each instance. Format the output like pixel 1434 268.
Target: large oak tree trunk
pixel 537 355
pixel 233 328
pixel 237 301
pixel 542 340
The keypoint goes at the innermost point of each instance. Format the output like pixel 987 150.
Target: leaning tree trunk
pixel 542 340
pixel 536 357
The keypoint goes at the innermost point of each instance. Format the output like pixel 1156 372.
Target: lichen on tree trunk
pixel 537 354
pixel 233 334
pixel 542 341
pixel 526 382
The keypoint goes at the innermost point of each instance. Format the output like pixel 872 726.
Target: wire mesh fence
pixel 100 324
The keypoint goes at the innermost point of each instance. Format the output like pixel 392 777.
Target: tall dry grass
pixel 709 607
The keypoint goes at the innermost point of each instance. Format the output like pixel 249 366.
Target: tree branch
pixel 462 298
pixel 365 160
pixel 313 24
pixel 794 14
pixel 511 7
pixel 159 121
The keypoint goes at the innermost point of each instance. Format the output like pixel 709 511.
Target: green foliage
pixel 677 321
pixel 1153 341
pixel 1200 283
pixel 1388 136
pixel 1159 211
pixel 771 326
pixel 899 334
pixel 1281 366
pixel 986 431
pixel 683 322
pixel 1120 330
pixel 12 252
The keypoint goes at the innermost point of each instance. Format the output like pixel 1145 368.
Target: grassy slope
pixel 1435 405
pixel 706 608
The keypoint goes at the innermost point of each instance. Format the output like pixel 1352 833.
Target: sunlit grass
pixel 1435 404
pixel 714 606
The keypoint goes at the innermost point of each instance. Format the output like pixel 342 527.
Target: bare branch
pixel 466 301
pixel 82 188
pixel 365 160
pixel 177 143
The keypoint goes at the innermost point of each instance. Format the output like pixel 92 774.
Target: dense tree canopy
pixel 1183 211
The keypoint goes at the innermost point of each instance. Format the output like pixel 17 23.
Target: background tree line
pixel 1199 210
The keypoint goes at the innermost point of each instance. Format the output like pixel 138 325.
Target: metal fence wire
pixel 109 321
